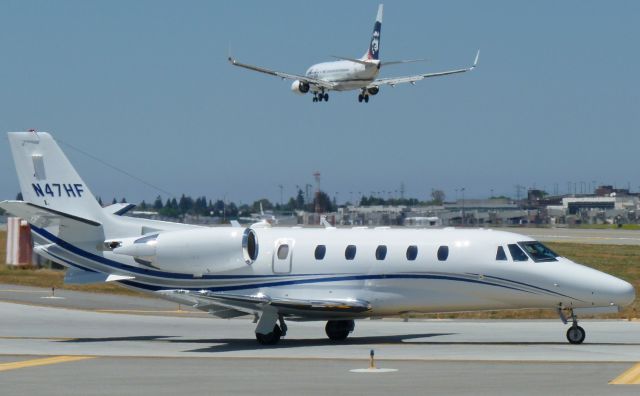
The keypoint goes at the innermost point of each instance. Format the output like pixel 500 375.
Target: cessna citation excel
pixel 350 74
pixel 279 274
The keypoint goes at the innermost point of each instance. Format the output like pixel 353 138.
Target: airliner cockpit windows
pixel 443 253
pixel 516 253
pixel 350 252
pixel 283 251
pixel 412 252
pixel 500 254
pixel 381 252
pixel 538 252
pixel 321 250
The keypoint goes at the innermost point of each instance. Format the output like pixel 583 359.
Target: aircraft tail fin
pixel 374 45
pixel 47 178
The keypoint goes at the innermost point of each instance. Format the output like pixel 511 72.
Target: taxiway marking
pixel 42 362
pixel 629 377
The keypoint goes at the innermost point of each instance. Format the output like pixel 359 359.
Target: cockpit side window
pixel 538 252
pixel 500 254
pixel 516 253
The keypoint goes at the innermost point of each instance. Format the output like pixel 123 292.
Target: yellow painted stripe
pixel 42 362
pixel 629 377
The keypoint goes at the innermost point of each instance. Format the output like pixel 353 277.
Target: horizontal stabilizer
pixel 119 209
pixel 76 276
pixel 360 61
pixel 41 216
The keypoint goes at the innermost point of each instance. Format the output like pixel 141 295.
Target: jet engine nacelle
pixel 194 251
pixel 300 87
pixel 373 90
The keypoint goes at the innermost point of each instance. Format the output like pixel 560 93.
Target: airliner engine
pixel 300 87
pixel 373 90
pixel 194 251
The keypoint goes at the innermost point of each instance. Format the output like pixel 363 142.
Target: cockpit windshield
pixel 538 252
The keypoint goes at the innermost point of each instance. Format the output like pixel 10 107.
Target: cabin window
pixel 350 252
pixel 516 253
pixel 500 254
pixel 381 252
pixel 412 252
pixel 443 253
pixel 283 251
pixel 321 250
pixel 538 252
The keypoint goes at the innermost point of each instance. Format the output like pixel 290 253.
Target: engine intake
pixel 373 90
pixel 300 87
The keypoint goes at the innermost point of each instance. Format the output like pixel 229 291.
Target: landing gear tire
pixel 360 98
pixel 315 98
pixel 326 97
pixel 271 338
pixel 366 98
pixel 338 330
pixel 576 335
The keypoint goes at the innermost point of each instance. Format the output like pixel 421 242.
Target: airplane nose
pixel 623 293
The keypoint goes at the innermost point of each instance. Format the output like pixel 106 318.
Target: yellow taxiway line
pixel 629 377
pixel 41 362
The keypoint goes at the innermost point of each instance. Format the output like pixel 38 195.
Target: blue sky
pixel 145 86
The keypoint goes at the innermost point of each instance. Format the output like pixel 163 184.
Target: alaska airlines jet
pixel 351 74
pixel 278 274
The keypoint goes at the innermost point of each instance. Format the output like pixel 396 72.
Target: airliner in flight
pixel 351 74
pixel 280 274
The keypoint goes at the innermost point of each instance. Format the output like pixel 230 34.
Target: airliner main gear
pixel 338 330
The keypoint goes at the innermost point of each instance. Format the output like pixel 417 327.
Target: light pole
pixel 464 220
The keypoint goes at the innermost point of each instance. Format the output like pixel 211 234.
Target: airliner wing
pixel 413 79
pixel 288 76
pixel 206 300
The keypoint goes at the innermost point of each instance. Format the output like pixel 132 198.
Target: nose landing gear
pixel 575 333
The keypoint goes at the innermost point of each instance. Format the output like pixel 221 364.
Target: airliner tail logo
pixel 374 46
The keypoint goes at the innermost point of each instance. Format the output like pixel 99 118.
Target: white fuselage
pixel 470 278
pixel 346 74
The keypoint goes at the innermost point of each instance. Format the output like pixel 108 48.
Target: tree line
pixel 201 206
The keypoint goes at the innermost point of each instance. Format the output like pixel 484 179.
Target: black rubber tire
pixel 366 98
pixel 271 338
pixel 338 330
pixel 315 99
pixel 360 98
pixel 326 97
pixel 576 335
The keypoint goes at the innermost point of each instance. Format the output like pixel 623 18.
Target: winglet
pixel 475 62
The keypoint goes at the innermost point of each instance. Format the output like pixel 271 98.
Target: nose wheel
pixel 575 333
pixel 363 97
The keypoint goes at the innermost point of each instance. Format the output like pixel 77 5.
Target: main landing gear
pixel 575 333
pixel 363 96
pixel 272 337
pixel 320 96
pixel 338 330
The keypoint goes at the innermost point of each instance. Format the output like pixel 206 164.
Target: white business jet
pixel 350 74
pixel 275 274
